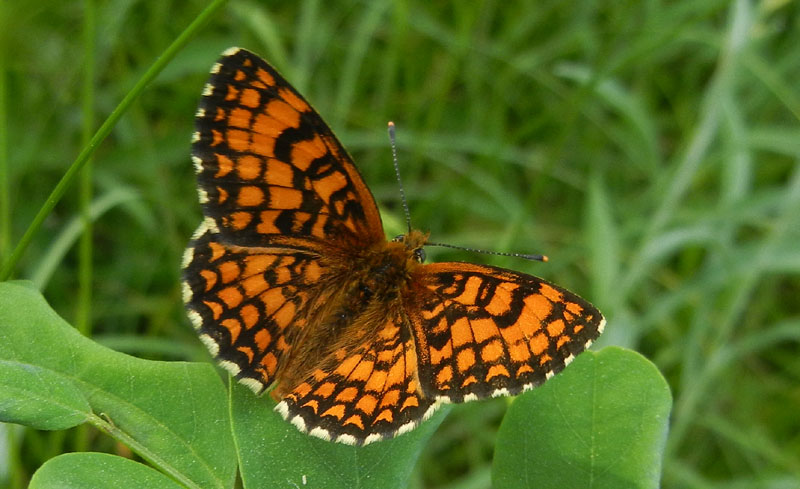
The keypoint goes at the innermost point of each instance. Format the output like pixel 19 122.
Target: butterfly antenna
pixel 397 173
pixel 498 253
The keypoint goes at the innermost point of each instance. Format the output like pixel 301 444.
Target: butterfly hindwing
pixel 484 331
pixel 268 167
pixel 247 304
pixel 363 394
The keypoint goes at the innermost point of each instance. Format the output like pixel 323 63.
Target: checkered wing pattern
pixel 268 168
pixel 363 395
pixel 484 331
pixel 247 304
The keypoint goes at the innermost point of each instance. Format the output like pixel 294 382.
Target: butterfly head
pixel 413 243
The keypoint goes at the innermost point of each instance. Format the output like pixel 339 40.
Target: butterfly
pixel 292 285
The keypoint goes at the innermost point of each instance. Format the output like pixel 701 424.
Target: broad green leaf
pixel 602 423
pixel 173 414
pixel 273 453
pixel 97 471
pixel 40 398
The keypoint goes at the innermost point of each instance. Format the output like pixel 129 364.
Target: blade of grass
pixel 742 290
pixel 65 239
pixel 265 29
pixel 719 90
pixel 369 23
pixel 5 211
pixel 309 31
pixel 84 311
pixel 105 129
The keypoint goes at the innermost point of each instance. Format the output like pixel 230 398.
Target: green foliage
pixel 98 471
pixel 172 414
pixel 606 428
pixel 649 148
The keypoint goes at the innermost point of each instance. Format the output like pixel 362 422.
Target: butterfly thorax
pixel 351 306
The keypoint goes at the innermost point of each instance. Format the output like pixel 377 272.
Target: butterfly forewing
pixel 268 167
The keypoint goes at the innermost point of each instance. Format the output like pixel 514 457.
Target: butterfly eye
pixel 419 254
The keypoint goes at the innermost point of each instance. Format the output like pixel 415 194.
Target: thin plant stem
pixel 16 468
pixel 5 211
pixel 83 312
pixel 107 426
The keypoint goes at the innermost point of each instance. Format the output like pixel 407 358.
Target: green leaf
pixel 40 398
pixel 600 424
pixel 97 471
pixel 173 414
pixel 273 453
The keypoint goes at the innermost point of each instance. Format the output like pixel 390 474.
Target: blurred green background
pixel 649 148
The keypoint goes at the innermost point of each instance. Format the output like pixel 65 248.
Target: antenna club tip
pixel 391 124
pixel 545 258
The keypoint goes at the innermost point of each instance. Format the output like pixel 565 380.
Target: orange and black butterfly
pixel 291 283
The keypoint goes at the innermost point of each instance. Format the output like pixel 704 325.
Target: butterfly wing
pixel 278 191
pixel 464 332
pixel 247 304
pixel 363 394
pixel 269 169
pixel 484 331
